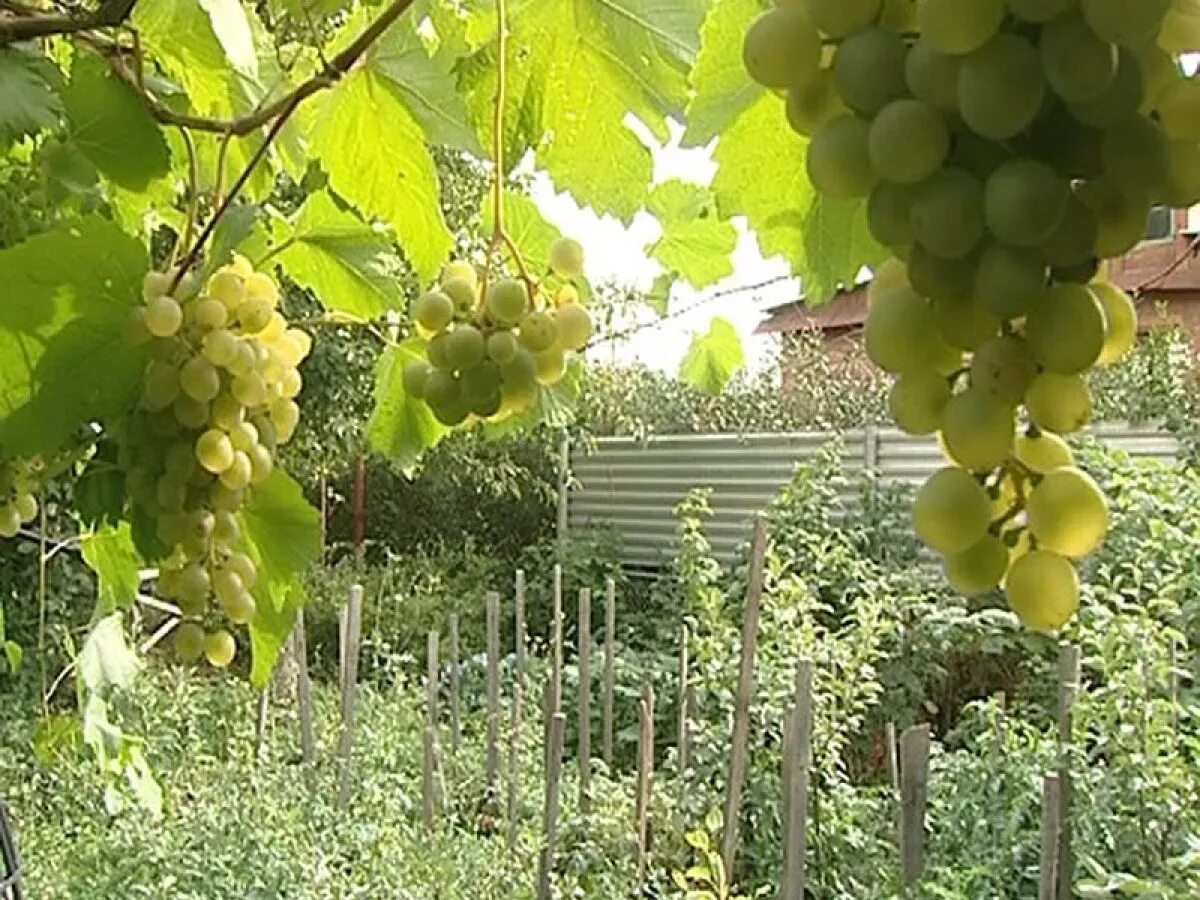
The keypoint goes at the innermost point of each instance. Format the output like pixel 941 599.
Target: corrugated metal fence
pixel 634 485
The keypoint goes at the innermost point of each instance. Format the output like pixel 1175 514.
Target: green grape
pixel 900 334
pixel 1065 329
pixel 237 476
pixel 1074 240
pixel 249 389
pixel 199 379
pixel 1078 64
pixel 551 365
pixel 1073 150
pixel 932 76
pixel 1159 72
pixel 839 18
pixel 1120 212
pixel 519 373
pixel 811 105
pixel 1061 404
pixel 507 300
pixel 502 346
pixel 171 528
pixel 938 278
pixel 1137 154
pixel 442 389
pixel 964 322
pixel 464 347
pixel 890 275
pixel 214 451
pixel 978 569
pixel 868 69
pixel 1009 279
pixel 155 285
pixel 225 500
pixel 436 352
pixel 1043 452
pixel 220 649
pixel 916 402
pixel 462 293
pixel 1130 24
pixel 1003 369
pixel 1117 102
pixel 416 374
pixel 1043 590
pixel 1001 87
pixel 189 642
pixel 26 506
pixel 10 520
pixel 261 464
pixel 190 413
pixel 171 494
pixel 538 331
pixel 206 313
pixel 193 581
pixel 460 268
pixel 574 326
pixel 480 382
pixel 951 512
pixel 1182 187
pixel 243 436
pixel 1068 514
pixel 908 141
pixel 259 286
pixel 947 213
pixel 226 529
pixel 227 288
pixel 1120 319
pixel 240 609
pixel 955 26
pixel 1039 11
pixel 839 159
pixel 488 406
pixel 1024 202
pixel 452 412
pixel 978 430
pixel 291 384
pixel 245 359
pixel 433 310
pixel 226 412
pixel 165 424
pixel 889 214
pixel 244 567
pixel 160 386
pixel 162 317
pixel 782 48
pixel 1178 109
pixel 976 154
pixel 220 347
pixel 255 315
pixel 285 416
pixel 292 347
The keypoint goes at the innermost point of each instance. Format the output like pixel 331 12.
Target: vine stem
pixel 189 228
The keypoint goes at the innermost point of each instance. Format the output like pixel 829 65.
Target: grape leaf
pixel 282 533
pixel 349 265
pixel 111 127
pixel 658 298
pixel 106 660
pixel 231 27
pixel 723 91
pixel 63 358
pixel 98 493
pixel 401 427
pixel 376 156
pixel 695 243
pixel 28 101
pixel 525 224
pixel 110 553
pixel 712 358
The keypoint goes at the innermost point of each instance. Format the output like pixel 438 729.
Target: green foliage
pixel 401 427
pixel 713 358
pixel 28 86
pixel 110 552
pixel 695 244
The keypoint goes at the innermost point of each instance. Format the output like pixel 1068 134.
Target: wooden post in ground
pixel 610 668
pixel 493 691
pixel 308 744
pixel 683 746
pixel 514 764
pixel 797 761
pixel 519 637
pixel 556 654
pixel 428 783
pixel 455 685
pixel 558 723
pixel 428 789
pixel 1068 686
pixel 432 681
pixel 342 611
pixel 349 692
pixel 745 693
pixel 585 699
pixel 645 776
pixel 914 787
pixel 1051 834
pixel 893 759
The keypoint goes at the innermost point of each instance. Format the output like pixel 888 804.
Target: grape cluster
pixel 218 398
pixel 1005 149
pixel 489 346
pixel 18 506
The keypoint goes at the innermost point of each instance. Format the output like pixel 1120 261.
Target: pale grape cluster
pixel 490 345
pixel 19 480
pixel 218 398
pixel 1005 149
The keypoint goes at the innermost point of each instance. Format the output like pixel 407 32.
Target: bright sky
pixel 614 252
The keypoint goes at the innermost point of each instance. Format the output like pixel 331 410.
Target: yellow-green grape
pixel 443 393
pixel 978 569
pixel 291 384
pixel 214 451
pixel 551 365
pixel 1137 154
pixel 1178 109
pixel 838 18
pixel 1024 202
pixel 953 26
pixel 839 159
pixel 243 436
pixel 502 346
pixel 244 567
pixel 1074 241
pixel 463 293
pixel 160 386
pixel 464 347
pixel 1009 279
pixel 249 389
pixel 1068 513
pixel 868 69
pixel 1065 329
pixel 162 316
pixel 507 300
pixel 1039 11
pixel 1001 87
pixel 236 476
pixel 293 346
pixel 171 494
pixel 1120 212
pixel 1119 101
pixel 220 347
pixel 1003 368
pixel 948 213
pixel 1183 174
pixel 285 416
pixel 239 608
pixel 207 313
pixel 155 284
pixel 1043 452
pixel 436 352
pixel 227 584
pixel 226 529
pixel 255 314
pixel 908 141
pixel 519 374
pixel 811 105
pixel 889 214
pixel 574 326
pixel 1059 403
pixel 900 333
pixel 190 413
pixel 977 430
pixel 10 520
pixel 226 412
pixel 1120 319
pixel 782 48
pixel 433 310
pixel 189 642
pixel 891 275
pixel 538 331
pixel 936 277
pixel 932 75
pixel 1043 590
pixel 261 463
pixel 460 268
pixel 899 15
pixel 481 382
pixel 917 400
pixel 260 286
pixel 1122 22
pixel 227 288
pixel 1079 65
pixel 225 500
pixel 26 506
pixel 951 512
pixel 415 375
pixel 276 329
pixel 220 649
pixel 198 379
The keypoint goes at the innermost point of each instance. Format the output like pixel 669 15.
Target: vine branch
pixel 110 14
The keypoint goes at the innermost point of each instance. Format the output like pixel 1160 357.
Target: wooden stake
pixel 432 681
pixel 797 762
pixel 893 760
pixel 514 765
pixel 308 744
pixel 556 653
pixel 342 649
pixel 349 692
pixel 558 723
pixel 493 691
pixel 519 639
pixel 645 777
pixel 610 668
pixel 683 739
pixel 585 699
pixel 914 785
pixel 1068 686
pixel 428 790
pixel 455 685
pixel 1051 836
pixel 745 693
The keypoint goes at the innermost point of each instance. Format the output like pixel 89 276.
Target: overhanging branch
pixel 29 26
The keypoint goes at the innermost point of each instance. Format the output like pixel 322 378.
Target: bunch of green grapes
pixel 1005 149
pixel 19 479
pixel 218 398
pixel 490 345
